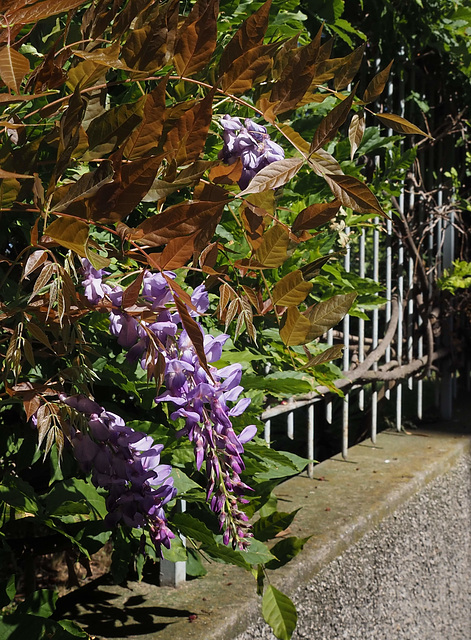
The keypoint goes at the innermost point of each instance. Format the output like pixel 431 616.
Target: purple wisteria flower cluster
pixel 202 398
pixel 251 143
pixel 127 464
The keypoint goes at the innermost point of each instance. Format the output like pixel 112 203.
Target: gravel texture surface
pixel 407 579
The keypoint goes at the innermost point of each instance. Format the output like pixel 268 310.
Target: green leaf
pixel 190 527
pixel 10 589
pixel 274 175
pixel 73 629
pixel 177 551
pixel 75 490
pixel 24 626
pixel 274 458
pixel 40 603
pixel 287 384
pixel 279 464
pixel 286 550
pixel 291 290
pixel 258 553
pixel 122 558
pixel 182 482
pixel 70 508
pixel 221 553
pixel 19 494
pixel 266 528
pixel 194 567
pixel 279 612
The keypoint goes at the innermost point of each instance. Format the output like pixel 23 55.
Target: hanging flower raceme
pixel 204 400
pixel 251 143
pixel 127 464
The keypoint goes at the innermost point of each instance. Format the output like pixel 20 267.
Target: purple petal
pixel 248 433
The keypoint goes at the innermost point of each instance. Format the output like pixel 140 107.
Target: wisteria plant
pixel 164 229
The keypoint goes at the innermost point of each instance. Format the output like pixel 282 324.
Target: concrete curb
pixel 344 501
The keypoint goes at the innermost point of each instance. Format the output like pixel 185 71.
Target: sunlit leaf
pixel 294 327
pixel 401 125
pixel 249 35
pixel 274 175
pixel 35 260
pixel 85 73
pixel 194 333
pixel 273 250
pixel 177 253
pixel 245 70
pixel 70 233
pixel 345 74
pixel 13 67
pixel 332 353
pixel 291 290
pixel 187 177
pixel 254 227
pixel 323 163
pixel 116 200
pixel 328 313
pixel 39 10
pixel 296 139
pixel 226 173
pixel 146 136
pixel 185 139
pixel 9 189
pixel 356 131
pixel 315 215
pixel 196 38
pixel 178 221
pixel 86 186
pixel 12 174
pixel 107 56
pixel 279 612
pixel 113 127
pixel 376 86
pixel 329 126
pixel 296 77
pixel 150 46
pixel 354 194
